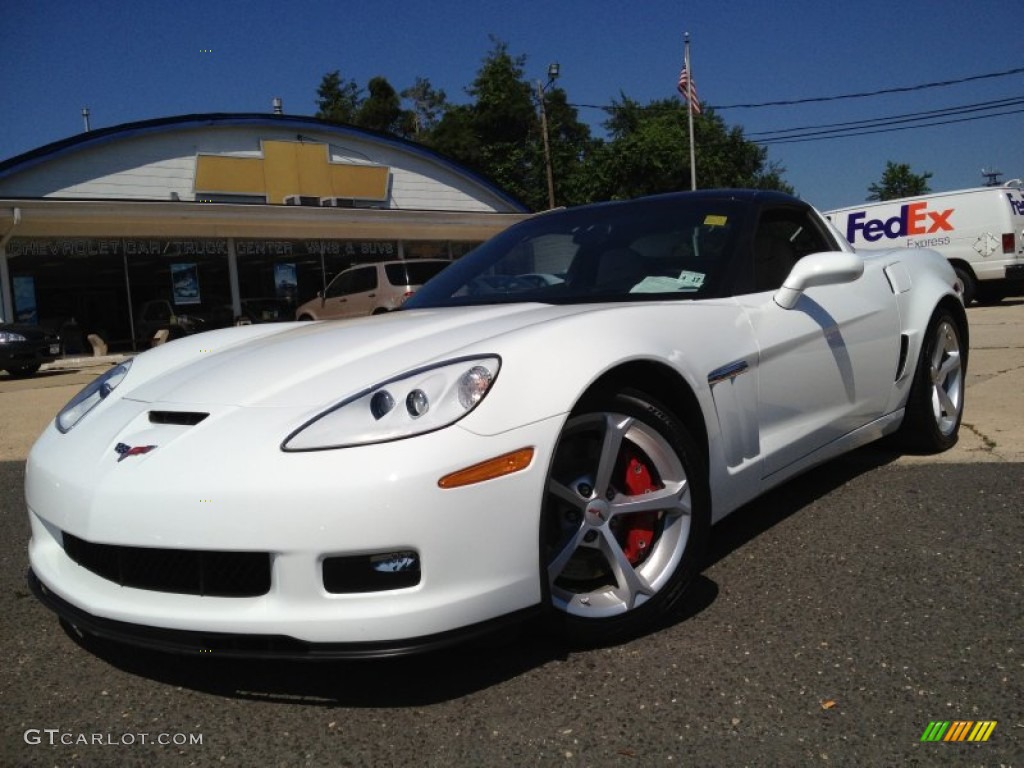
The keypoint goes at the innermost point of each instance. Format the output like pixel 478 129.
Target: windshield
pixel 639 250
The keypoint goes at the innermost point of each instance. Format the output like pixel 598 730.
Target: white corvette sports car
pixel 554 422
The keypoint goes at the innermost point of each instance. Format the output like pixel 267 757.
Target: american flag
pixel 688 90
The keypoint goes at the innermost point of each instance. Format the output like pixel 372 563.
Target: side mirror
pixel 832 268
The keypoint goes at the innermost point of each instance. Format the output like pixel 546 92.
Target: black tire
pixel 984 294
pixel 935 406
pixel 305 319
pixel 23 371
pixel 611 571
pixel 970 284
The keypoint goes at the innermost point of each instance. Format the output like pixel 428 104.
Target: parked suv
pixel 369 289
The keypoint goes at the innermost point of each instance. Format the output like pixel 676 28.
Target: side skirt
pixel 869 433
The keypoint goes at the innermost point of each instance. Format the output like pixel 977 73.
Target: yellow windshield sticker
pixel 715 221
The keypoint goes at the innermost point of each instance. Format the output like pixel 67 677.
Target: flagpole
pixel 689 109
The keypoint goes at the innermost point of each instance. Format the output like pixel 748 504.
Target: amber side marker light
pixel 505 464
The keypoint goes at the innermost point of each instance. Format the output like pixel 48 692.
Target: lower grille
pixel 182 571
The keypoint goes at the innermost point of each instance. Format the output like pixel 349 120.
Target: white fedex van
pixel 980 231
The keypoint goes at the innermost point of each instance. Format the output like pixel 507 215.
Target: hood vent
pixel 181 418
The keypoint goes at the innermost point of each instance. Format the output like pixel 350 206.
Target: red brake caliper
pixel 639 527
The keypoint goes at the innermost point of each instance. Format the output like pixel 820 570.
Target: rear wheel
pixel 625 519
pixel 936 403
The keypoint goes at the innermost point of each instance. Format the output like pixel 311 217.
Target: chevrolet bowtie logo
pixel 290 168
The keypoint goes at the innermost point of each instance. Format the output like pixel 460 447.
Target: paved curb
pixel 83 362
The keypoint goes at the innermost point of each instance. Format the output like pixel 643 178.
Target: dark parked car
pixel 24 348
pixel 265 310
pixel 183 320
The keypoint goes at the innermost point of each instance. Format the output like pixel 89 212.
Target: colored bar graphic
pixel 982 730
pixel 959 730
pixel 935 730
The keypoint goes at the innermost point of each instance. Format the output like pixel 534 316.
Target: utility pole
pixel 552 76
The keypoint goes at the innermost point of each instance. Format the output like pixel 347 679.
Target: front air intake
pixel 181 571
pixel 371 573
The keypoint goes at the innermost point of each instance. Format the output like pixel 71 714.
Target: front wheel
pixel 626 517
pixel 22 371
pixel 935 405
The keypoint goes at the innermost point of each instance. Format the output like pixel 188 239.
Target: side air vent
pixel 901 367
pixel 181 418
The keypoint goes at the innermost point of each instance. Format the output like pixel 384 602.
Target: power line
pixel 888 124
pixel 818 99
pixel 910 117
pixel 865 94
pixel 840 135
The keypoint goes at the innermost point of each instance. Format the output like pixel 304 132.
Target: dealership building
pixel 250 214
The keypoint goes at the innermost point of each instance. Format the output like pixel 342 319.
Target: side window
pixel 342 285
pixel 366 280
pixel 784 236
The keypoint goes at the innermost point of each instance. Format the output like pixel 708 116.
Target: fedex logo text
pixel 913 219
pixel 1018 207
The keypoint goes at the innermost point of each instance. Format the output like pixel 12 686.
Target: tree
pixel 507 124
pixel 382 110
pixel 428 104
pixel 455 136
pixel 498 134
pixel 337 99
pixel 899 181
pixel 649 152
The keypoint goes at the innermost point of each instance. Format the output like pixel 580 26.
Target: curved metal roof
pixel 101 136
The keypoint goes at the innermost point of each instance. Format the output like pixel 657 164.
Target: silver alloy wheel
pixel 946 375
pixel 594 510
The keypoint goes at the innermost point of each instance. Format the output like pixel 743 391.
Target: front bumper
pixel 209 488
pixel 22 354
pixel 224 644
pixel 1015 272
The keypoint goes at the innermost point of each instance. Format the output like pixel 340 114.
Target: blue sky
pixel 136 60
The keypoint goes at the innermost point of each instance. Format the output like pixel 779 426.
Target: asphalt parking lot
pixel 835 619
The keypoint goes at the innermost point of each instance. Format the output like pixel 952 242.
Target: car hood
pixel 310 364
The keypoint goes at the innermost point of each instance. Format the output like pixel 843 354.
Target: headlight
pixel 90 397
pixel 6 337
pixel 422 401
